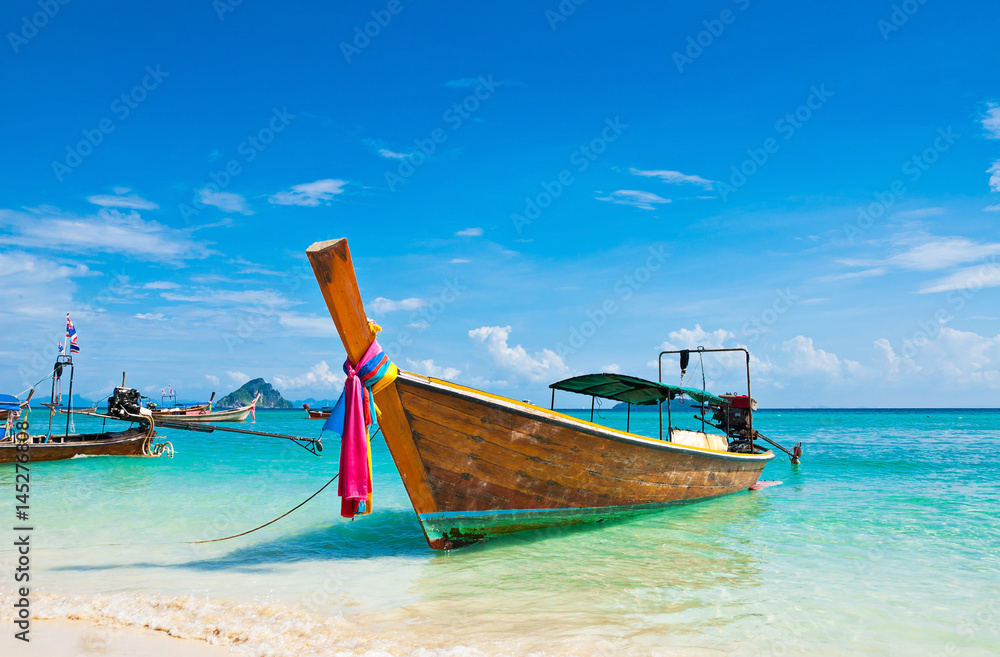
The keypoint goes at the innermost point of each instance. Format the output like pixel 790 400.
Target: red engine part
pixel 741 401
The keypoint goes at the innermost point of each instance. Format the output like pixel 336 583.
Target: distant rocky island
pixel 271 398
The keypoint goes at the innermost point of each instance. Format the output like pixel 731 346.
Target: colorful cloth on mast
pixel 351 419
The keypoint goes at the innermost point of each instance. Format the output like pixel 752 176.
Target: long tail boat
pixel 53 446
pixel 476 465
pixel 238 414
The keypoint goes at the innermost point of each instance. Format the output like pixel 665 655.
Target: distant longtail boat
pixel 477 465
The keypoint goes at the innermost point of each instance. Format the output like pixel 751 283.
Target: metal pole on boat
pixel 669 422
pixel 628 417
pixel 553 399
pixel 69 404
pixel 592 400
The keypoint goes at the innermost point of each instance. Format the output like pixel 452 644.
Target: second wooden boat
pixel 185 415
pixel 477 465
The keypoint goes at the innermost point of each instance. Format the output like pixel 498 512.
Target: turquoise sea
pixel 885 540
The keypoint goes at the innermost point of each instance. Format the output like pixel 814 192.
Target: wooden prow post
pixel 334 270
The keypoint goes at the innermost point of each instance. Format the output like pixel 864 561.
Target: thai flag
pixel 60 348
pixel 74 348
pixel 70 329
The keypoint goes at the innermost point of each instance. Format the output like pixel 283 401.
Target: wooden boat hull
pixel 318 415
pixel 132 442
pixel 496 466
pixel 234 415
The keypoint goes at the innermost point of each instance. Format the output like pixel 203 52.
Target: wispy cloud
pixel 930 253
pixel 673 177
pixel 158 317
pixel 966 278
pixel 109 231
pixel 470 232
pixel 458 261
pixel 992 208
pixel 994 172
pixel 227 201
pixel 122 199
pixel 382 150
pixel 635 198
pixel 383 305
pixel 991 121
pixel 310 194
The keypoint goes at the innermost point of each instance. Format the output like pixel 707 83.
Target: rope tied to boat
pixel 352 418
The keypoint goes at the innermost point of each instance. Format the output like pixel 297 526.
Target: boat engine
pixel 736 420
pixel 125 404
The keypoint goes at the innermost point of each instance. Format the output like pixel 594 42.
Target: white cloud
pixel 894 365
pixel 994 172
pixel 806 360
pixel 109 231
pixel 237 378
pixel 956 359
pixel 157 317
pixel 696 337
pixel 420 326
pixel 967 278
pixel 383 305
pixel 392 155
pixel 470 232
pixel 320 326
pixel 635 198
pixel 430 369
pixel 310 194
pixel 544 364
pixel 122 200
pixel 160 285
pixel 991 121
pixel 214 380
pixel 674 177
pixel 227 201
pixel 318 376
pixel 613 368
pixel 458 261
pixel 992 208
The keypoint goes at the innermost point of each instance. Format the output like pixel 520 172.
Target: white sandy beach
pixel 71 638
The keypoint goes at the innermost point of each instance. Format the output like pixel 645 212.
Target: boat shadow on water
pixel 396 533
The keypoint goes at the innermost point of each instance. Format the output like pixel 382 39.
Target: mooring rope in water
pixel 250 531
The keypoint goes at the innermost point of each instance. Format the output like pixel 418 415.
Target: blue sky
pixel 530 191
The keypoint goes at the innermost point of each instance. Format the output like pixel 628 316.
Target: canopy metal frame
pixel 700 350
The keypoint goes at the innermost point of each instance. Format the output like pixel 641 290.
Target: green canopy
pixel 631 389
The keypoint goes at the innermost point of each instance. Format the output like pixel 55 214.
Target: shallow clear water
pixel 885 540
